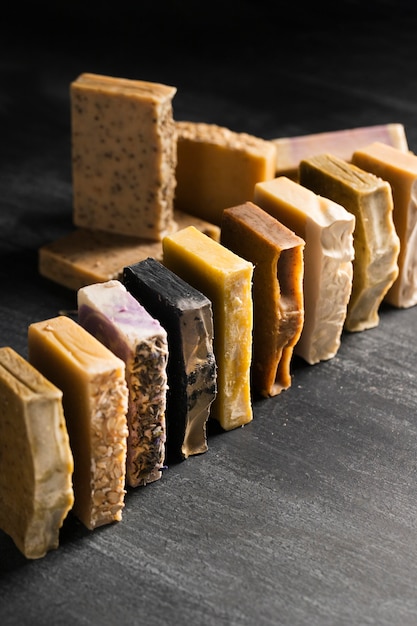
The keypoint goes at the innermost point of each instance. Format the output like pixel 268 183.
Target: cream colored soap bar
pixel 375 240
pixel 327 229
pixel 277 255
pixel 226 279
pixel 342 143
pixel 84 256
pixel 218 168
pixel 124 153
pixel 36 461
pixel 400 170
pixel 115 317
pixel 95 398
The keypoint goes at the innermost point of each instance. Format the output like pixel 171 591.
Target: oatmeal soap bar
pixel 277 254
pixel 36 461
pixel 218 168
pixel 186 315
pixel 400 171
pixel 226 280
pixel 375 240
pixel 112 315
pixel 124 154
pixel 327 229
pixel 95 397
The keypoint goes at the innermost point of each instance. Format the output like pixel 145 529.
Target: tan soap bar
pixel 36 461
pixel 342 143
pixel 83 256
pixel 327 229
pixel 375 240
pixel 277 255
pixel 226 280
pixel 95 398
pixel 400 170
pixel 218 168
pixel 124 153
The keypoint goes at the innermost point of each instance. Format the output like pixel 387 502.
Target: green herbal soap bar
pixel 376 243
pixel 115 317
pixel 186 314
pixel 226 279
pixel 277 254
pixel 95 396
pixel 36 461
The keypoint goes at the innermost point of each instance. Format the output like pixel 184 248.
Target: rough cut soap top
pixel 124 152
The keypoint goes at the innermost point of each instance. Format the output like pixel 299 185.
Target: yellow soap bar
pixel 95 398
pixel 124 154
pixel 277 255
pixel 400 170
pixel 218 168
pixel 84 257
pixel 375 240
pixel 226 279
pixel 36 461
pixel 327 229
pixel 342 143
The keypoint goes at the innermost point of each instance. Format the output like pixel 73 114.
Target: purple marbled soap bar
pixel 112 315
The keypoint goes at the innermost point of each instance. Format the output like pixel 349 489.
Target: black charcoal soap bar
pixel 186 315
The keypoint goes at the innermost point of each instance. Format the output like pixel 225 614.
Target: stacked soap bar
pixel 218 168
pixel 375 240
pixel 226 280
pixel 95 397
pixel 36 461
pixel 124 154
pixel 186 314
pixel 400 171
pixel 341 143
pixel 84 256
pixel 112 315
pixel 277 255
pixel 327 229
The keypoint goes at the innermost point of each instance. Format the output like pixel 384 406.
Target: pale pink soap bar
pixel 112 315
pixel 327 229
pixel 340 143
pixel 400 170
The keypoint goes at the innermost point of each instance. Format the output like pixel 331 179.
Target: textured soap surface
pixel 327 229
pixel 277 255
pixel 124 154
pixel 218 168
pixel 187 316
pixel 400 171
pixel 376 243
pixel 226 279
pixel 112 315
pixel 95 397
pixel 342 143
pixel 36 461
pixel 85 256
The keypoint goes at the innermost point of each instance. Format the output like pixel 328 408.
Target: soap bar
pixel 36 461
pixel 124 154
pixel 95 397
pixel 327 229
pixel 400 171
pixel 115 317
pixel 218 168
pixel 277 255
pixel 342 143
pixel 226 280
pixel 186 314
pixel 85 256
pixel 375 240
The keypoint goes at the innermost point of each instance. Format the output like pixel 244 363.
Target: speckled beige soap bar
pixel 124 152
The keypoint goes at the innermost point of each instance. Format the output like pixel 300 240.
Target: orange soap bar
pixel 277 254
